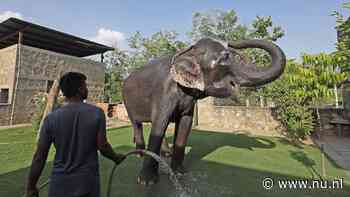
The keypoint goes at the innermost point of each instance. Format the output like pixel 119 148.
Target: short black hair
pixel 71 82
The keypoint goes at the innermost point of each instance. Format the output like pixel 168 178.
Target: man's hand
pixel 103 146
pixel 32 192
pixel 119 158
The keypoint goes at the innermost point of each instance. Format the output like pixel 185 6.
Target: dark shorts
pixel 74 186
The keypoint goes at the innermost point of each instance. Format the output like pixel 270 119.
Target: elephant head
pixel 210 67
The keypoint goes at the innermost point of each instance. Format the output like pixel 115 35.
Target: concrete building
pixel 32 57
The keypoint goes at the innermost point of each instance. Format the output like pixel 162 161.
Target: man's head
pixel 73 84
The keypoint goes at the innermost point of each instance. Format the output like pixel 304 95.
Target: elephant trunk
pixel 252 75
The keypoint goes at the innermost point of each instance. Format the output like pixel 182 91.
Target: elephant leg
pixel 182 133
pixel 138 135
pixel 165 148
pixel 149 171
pixel 176 130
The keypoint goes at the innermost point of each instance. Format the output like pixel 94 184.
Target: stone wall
pixel 5 110
pixel 327 115
pixel 120 112
pixel 7 68
pixel 38 67
pixel 104 107
pixel 251 120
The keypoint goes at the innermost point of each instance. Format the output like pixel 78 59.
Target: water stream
pixel 164 166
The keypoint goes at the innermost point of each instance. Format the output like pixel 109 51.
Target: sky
pixel 308 24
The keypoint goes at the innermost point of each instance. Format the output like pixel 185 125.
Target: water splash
pixel 164 166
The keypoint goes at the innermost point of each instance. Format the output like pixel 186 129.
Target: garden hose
pixel 110 180
pixel 44 184
pixel 41 187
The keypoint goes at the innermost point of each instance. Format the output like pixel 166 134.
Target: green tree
pixel 302 88
pixel 218 24
pixel 224 25
pixel 305 86
pixel 290 95
pixel 343 42
pixel 143 49
pixel 159 44
pixel 322 76
pixel 119 64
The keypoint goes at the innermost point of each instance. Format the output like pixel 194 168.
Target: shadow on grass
pixel 205 177
pixel 203 143
pixel 306 161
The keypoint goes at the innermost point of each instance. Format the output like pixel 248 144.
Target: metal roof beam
pixel 13 33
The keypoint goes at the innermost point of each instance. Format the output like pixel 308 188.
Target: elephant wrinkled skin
pixel 167 89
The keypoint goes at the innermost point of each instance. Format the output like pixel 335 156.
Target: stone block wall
pixel 38 67
pixel 7 68
pixel 327 115
pixel 5 110
pixel 104 107
pixel 120 112
pixel 251 120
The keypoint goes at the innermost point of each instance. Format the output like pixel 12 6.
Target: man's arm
pixel 104 146
pixel 38 164
pixel 106 150
pixel 39 160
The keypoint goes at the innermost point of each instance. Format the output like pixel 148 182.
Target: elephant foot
pixel 179 169
pixel 166 152
pixel 177 160
pixel 147 178
pixel 141 147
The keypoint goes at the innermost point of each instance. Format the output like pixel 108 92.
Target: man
pixel 77 131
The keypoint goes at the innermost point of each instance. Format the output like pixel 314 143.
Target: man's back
pixel 73 131
pixel 77 130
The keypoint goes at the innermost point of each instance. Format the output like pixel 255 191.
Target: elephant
pixel 166 89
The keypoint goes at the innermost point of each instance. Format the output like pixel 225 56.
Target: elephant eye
pixel 223 58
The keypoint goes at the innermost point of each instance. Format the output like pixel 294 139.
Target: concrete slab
pixel 337 148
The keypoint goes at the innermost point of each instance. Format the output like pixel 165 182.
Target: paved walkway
pixel 15 126
pixel 337 148
pixel 113 123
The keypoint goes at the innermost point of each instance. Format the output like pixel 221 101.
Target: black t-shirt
pixel 73 130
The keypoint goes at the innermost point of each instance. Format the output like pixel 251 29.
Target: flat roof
pixel 49 39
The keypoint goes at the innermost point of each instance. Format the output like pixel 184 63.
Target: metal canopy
pixel 44 38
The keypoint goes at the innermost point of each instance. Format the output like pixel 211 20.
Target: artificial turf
pixel 220 164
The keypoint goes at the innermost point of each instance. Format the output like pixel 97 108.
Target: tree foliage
pixel 143 49
pixel 162 43
pixel 310 84
pixel 322 74
pixel 343 30
pixel 301 88
pixel 292 104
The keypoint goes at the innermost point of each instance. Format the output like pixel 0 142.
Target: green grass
pixel 221 164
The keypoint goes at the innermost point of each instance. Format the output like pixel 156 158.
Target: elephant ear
pixel 187 72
